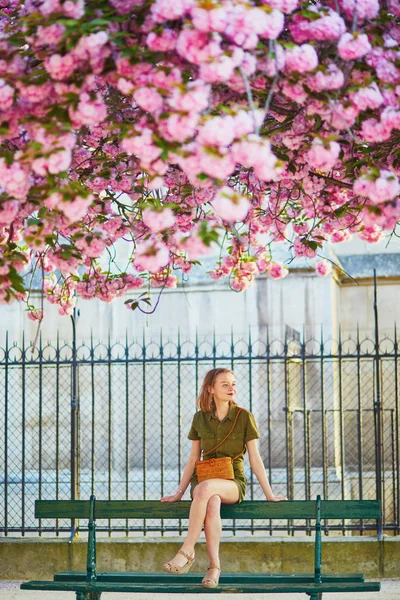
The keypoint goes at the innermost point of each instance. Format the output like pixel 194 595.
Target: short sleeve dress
pixel 210 431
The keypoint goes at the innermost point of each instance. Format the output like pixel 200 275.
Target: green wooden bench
pixel 89 585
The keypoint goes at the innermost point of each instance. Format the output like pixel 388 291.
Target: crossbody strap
pixel 226 437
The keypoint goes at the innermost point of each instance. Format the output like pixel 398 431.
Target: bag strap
pixel 226 437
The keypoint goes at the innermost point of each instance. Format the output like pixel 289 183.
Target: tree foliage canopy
pixel 173 125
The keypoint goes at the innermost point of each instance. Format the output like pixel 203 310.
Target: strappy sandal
pixel 174 570
pixel 211 583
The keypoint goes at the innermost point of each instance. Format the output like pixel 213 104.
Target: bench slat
pixel 141 577
pixel 176 588
pixel 258 509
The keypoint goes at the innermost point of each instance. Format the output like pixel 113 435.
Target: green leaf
pixel 33 221
pixel 16 280
pixel 309 15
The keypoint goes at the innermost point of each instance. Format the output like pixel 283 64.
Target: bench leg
pixel 316 596
pixel 88 595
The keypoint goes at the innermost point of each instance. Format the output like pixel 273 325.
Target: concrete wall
pixel 300 300
pixel 41 558
pixel 356 306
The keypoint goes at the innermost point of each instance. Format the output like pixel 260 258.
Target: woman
pixel 210 425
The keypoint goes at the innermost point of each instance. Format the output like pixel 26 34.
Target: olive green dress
pixel 210 431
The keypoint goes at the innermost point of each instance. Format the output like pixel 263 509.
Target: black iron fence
pixel 112 419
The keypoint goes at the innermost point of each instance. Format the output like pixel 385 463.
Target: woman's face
pixel 224 387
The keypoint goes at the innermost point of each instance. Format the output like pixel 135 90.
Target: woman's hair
pixel 205 400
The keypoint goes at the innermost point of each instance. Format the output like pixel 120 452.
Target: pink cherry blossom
pixel 194 246
pixel 301 59
pixel 379 188
pixel 165 42
pixel 89 111
pixel 60 67
pixel 263 264
pixel 6 95
pixel 239 284
pixel 230 205
pixel 340 236
pixel 209 20
pixel 148 99
pixel 142 146
pixel 220 272
pixel 331 78
pixel 323 268
pixel 77 208
pixel 169 282
pixel 367 97
pixel 353 46
pixel 219 166
pixel 179 128
pixel 158 221
pixel 217 69
pixel 323 156
pixel 374 131
pixel 372 234
pixel 390 118
pixel 15 179
pixel 35 315
pixel 277 270
pixel 8 211
pixel 329 26
pixel 195 98
pixel 366 9
pixel 164 10
pixel 286 6
pixel 268 25
pixel 150 256
pixel 216 131
pixel 51 34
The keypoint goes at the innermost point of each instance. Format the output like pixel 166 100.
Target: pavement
pixel 9 590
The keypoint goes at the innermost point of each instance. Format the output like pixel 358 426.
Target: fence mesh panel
pixel 315 404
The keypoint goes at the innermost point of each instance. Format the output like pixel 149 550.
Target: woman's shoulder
pixel 199 415
pixel 244 411
pixel 245 414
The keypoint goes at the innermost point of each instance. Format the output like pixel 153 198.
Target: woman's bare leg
pixel 226 489
pixel 213 531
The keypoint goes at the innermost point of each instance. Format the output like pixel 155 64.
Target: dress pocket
pixel 207 439
pixel 234 444
pixel 206 433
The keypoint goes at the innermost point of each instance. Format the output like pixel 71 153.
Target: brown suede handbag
pixel 217 468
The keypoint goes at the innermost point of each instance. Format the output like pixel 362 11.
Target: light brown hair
pixel 205 401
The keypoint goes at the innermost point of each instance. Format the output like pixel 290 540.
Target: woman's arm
pixel 187 473
pixel 258 468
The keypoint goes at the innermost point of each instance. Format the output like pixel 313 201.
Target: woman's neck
pixel 221 410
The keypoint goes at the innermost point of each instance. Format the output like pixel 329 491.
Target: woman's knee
pixel 205 490
pixel 214 506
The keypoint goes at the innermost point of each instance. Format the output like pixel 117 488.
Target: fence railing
pixel 112 419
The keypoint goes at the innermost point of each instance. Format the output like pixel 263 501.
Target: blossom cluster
pixel 172 127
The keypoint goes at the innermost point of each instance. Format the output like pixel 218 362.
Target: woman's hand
pixel 175 498
pixel 276 498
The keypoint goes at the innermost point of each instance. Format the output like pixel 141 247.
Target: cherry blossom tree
pixel 171 127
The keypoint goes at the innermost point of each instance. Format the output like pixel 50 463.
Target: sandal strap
pixel 189 558
pixel 213 567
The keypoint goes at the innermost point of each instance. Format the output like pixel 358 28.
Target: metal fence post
pixel 378 407
pixel 74 427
